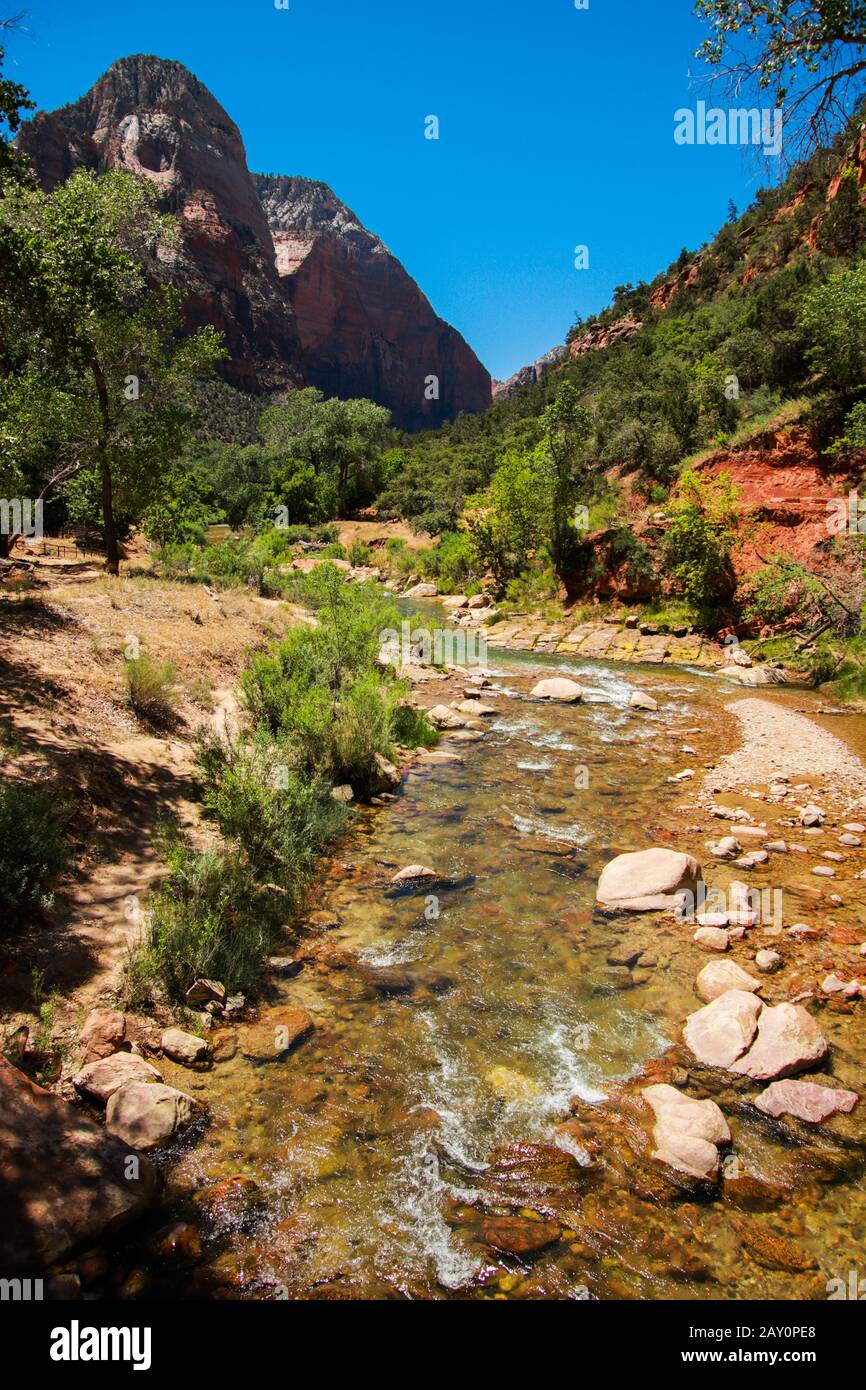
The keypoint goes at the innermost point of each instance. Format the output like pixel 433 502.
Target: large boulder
pixel 722 1031
pixel 687 1132
pixel 805 1100
pixel 99 1080
pixel 648 880
pixel 103 1032
pixel 789 1041
pixel 445 718
pixel 721 976
pixel 148 1115
pixel 558 689
pixel 64 1183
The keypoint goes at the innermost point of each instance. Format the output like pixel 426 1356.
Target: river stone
pixel 687 1132
pixel 412 873
pixel 65 1183
pixel 183 1047
pixel 721 976
pixel 205 992
pixel 640 700
pixel 267 1042
pixel 559 689
pixel 99 1080
pixel 767 961
pixel 476 708
pixel 423 590
pixel 789 1040
pixel 519 1235
pixel 445 718
pixel 647 880
pixel 148 1116
pixel 722 1031
pixel 805 1100
pixel 103 1032
pixel 712 938
pixel 388 774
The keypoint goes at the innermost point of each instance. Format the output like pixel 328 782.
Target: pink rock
pixel 687 1132
pixel 103 1032
pixel 789 1040
pixel 711 938
pixel 805 1100
pixel 721 1032
pixel 721 976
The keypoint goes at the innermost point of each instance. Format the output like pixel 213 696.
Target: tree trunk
pixel 112 551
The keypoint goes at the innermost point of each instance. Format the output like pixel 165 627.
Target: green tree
pixel 342 440
pixel 14 101
pixel 101 341
pixel 703 522
pixel 507 523
pixel 834 318
pixel 567 426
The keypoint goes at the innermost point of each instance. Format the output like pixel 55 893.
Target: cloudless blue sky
pixel 556 130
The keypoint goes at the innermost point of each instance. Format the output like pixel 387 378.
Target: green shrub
pixel 281 822
pixel 150 686
pixel 209 918
pixel 33 851
pixel 360 554
pixel 452 562
pixel 704 518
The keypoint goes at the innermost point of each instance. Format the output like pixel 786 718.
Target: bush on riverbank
pixel 323 709
pixel 33 851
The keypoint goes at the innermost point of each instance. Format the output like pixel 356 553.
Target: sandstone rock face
pixel 805 1100
pixel 722 1032
pixel 99 1080
pixel 560 690
pixel 147 1116
pixel 647 880
pixel 365 328
pixel 528 376
pixel 789 1041
pixel 304 294
pixel 64 1182
pixel 687 1132
pixel 721 976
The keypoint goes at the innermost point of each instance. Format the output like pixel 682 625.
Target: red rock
pixel 102 1035
pixel 65 1182
pixel 519 1235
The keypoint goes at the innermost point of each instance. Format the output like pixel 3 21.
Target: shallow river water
pixel 483 1009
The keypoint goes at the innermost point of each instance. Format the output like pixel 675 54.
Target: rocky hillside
pixel 302 291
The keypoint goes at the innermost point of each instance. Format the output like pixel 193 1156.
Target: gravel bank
pixel 776 740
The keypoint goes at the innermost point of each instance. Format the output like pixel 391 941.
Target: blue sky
pixel 556 130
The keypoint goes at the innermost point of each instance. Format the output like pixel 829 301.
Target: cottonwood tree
pixel 94 373
pixel 342 440
pixel 808 56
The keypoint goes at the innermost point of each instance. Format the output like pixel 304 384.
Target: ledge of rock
pixel 64 1182
pixel 648 880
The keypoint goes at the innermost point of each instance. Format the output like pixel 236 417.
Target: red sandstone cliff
pixel 327 305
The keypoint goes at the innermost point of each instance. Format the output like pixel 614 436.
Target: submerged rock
pixel 66 1183
pixel 519 1235
pixel 267 1042
pixel 648 880
pixel 413 872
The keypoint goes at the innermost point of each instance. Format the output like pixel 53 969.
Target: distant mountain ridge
pixel 303 292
